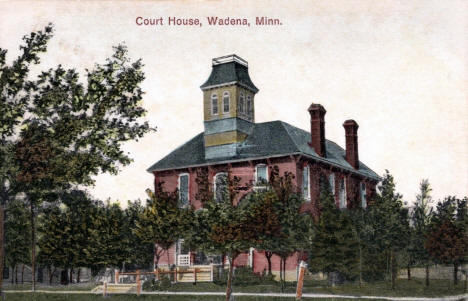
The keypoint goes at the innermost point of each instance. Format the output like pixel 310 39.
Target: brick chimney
pixel 317 129
pixel 352 155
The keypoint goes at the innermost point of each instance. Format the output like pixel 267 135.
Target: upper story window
pixel 226 101
pixel 261 174
pixel 342 193
pixel 214 104
pixel 306 183
pixel 363 195
pixel 241 102
pixel 220 187
pixel 331 180
pixel 184 189
pixel 249 104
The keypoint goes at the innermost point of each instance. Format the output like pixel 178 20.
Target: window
pixel 249 105
pixel 305 183
pixel 261 174
pixel 342 193
pixel 241 102
pixel 214 104
pixel 184 189
pixel 331 180
pixel 226 101
pixel 220 187
pixel 363 195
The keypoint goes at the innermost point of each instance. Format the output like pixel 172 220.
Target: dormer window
pixel 261 174
pixel 226 102
pixel 184 189
pixel 363 195
pixel 241 102
pixel 214 104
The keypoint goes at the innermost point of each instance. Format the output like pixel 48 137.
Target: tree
pixel 17 238
pixel 335 246
pixel 160 222
pixel 420 220
pixel 84 124
pixel 447 240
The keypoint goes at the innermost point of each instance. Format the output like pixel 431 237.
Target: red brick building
pixel 232 142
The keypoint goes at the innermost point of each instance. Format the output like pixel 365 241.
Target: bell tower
pixel 228 106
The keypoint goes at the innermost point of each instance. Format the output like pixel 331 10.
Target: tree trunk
pixel 2 241
pixel 393 268
pixel 12 275
pixel 229 280
pixel 16 274
pixel 22 274
pixel 268 256
pixel 78 276
pixel 427 275
pixel 455 274
pixel 408 272
pixel 33 247
pixel 71 275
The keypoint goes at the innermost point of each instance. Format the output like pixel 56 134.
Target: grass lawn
pixel 71 297
pixel 58 287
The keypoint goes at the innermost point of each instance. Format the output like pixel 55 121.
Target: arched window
pixel 261 174
pixel 226 102
pixel 241 102
pixel 220 187
pixel 214 104
pixel 306 183
pixel 343 193
pixel 363 195
pixel 184 189
pixel 249 105
pixel 331 180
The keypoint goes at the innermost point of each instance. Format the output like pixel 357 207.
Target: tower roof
pixel 230 69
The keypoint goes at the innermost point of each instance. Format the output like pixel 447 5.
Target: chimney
pixel 352 155
pixel 317 129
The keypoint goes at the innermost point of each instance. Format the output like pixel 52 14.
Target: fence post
pixel 104 290
pixel 138 282
pixel 300 281
pixel 157 273
pixel 175 274
pixel 211 274
pixel 195 275
pixel 117 274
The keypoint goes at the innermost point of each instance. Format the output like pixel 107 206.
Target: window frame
pixel 214 100
pixel 363 193
pixel 188 187
pixel 342 200
pixel 306 197
pixel 241 103
pixel 332 183
pixel 256 174
pixel 214 184
pixel 226 95
pixel 249 104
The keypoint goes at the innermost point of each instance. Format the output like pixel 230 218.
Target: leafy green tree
pixel 84 137
pixel 17 238
pixel 420 221
pixel 447 239
pixel 335 246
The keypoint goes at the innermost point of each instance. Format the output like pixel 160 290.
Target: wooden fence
pixel 192 274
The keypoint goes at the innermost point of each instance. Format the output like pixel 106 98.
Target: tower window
pixel 184 189
pixel 226 101
pixel 241 102
pixel 305 184
pixel 214 104
pixel 363 195
pixel 342 193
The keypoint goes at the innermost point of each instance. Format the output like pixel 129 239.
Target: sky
pixel 399 68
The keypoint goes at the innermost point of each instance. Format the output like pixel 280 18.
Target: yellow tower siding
pixel 224 138
pixel 234 92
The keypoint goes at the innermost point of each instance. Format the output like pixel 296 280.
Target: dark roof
pixel 268 139
pixel 228 73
